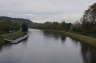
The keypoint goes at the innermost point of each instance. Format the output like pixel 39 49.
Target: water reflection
pixel 47 47
pixel 25 41
pixel 55 35
pixel 63 38
pixel 88 54
pixel 6 46
pixel 51 34
pixel 75 41
pixel 9 45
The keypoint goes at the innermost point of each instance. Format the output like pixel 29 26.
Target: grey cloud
pixel 30 8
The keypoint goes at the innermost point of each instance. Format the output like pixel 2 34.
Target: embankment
pixel 85 39
pixel 10 36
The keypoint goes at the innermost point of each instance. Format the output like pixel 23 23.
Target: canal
pixel 47 47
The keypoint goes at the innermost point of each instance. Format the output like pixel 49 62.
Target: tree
pixel 24 27
pixel 89 20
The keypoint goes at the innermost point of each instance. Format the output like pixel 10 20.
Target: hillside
pixel 17 20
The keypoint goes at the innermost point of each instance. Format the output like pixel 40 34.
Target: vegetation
pixel 88 40
pixel 85 30
pixel 86 26
pixel 89 20
pixel 53 26
pixel 24 27
pixel 11 28
pixel 8 26
pixel 13 36
pixel 2 42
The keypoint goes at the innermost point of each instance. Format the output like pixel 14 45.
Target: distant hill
pixel 18 20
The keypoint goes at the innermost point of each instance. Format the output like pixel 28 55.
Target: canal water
pixel 47 47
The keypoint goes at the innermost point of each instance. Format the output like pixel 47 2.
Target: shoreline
pixel 14 37
pixel 84 39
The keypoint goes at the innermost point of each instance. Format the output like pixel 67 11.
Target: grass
pixel 86 39
pixel 12 36
pixel 2 42
pixel 91 35
pixel 83 38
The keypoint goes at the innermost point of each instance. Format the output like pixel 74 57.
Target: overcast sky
pixel 35 9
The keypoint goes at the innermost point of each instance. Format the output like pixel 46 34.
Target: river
pixel 47 47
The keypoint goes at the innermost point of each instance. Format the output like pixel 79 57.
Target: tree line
pixel 52 26
pixel 11 25
pixel 87 24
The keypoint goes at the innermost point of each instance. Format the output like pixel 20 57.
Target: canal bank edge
pixel 85 39
pixel 14 37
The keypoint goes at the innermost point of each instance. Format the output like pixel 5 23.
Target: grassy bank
pixel 83 38
pixel 86 39
pixel 2 42
pixel 13 36
pixel 10 36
